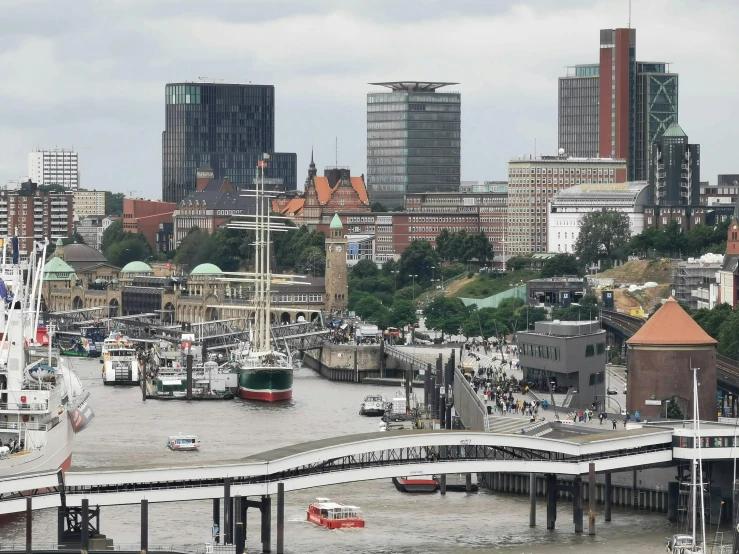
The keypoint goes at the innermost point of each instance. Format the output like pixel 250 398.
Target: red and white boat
pixel 416 483
pixel 333 515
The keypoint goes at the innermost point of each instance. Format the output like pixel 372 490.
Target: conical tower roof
pixel 671 325
pixel 336 222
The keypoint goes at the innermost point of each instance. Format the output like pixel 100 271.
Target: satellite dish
pixel 561 151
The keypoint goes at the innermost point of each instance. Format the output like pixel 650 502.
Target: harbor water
pixel 128 431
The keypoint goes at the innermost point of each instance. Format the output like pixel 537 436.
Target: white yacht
pixel 183 442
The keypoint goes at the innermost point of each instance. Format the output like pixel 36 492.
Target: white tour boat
pixel 183 442
pixel 373 405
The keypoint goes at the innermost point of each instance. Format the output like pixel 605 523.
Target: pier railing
pixel 468 405
pixel 414 362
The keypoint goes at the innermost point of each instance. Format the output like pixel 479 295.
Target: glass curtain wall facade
pixel 226 126
pixel 655 110
pixel 578 112
pixel 413 141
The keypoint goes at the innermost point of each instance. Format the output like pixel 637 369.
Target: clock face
pixel 339 248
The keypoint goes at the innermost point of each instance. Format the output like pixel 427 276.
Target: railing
pixel 415 362
pixel 468 405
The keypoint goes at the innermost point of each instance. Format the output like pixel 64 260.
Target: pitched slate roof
pixel 671 325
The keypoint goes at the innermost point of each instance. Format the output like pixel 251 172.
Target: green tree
pixel 194 249
pixel 418 259
pixel 562 264
pixel 711 321
pixel 443 244
pixel 403 313
pixel 673 410
pixel 527 316
pixel 728 337
pixel 312 260
pixel 409 292
pixel 371 309
pixel 133 248
pixel 113 234
pixel 378 207
pixel 603 236
pixel 114 203
pixel 446 315
pixel 485 322
pixel 365 269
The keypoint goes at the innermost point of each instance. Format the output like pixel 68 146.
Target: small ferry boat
pixel 121 366
pixel 416 483
pixel 683 544
pixel 373 405
pixel 183 442
pixel 333 515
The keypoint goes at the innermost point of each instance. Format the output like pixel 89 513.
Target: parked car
pixel 612 390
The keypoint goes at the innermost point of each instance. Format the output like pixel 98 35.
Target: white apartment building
pixel 89 202
pixel 533 181
pixel 54 167
pixel 568 206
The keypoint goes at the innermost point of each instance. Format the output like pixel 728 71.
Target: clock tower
pixel 337 286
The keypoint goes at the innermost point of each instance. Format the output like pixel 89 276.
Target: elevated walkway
pixel 337 460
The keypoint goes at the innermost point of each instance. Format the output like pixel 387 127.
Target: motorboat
pixel 183 442
pixel 416 483
pixel 333 515
pixel 373 405
pixel 683 544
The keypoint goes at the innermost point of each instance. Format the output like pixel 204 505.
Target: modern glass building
pixel 226 126
pixel 655 110
pixel 413 141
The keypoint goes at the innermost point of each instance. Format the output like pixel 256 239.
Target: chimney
pixel 204 175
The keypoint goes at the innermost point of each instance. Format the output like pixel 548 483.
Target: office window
pixel 589 350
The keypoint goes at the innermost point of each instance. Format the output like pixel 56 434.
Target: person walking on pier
pixel 614 423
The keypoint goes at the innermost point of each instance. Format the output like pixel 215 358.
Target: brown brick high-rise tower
pixel 337 286
pixel 660 357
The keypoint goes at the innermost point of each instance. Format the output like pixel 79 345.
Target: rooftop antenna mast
pixel 629 14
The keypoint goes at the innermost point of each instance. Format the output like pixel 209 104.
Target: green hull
pixel 267 384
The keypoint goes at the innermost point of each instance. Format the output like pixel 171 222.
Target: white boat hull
pixel 55 454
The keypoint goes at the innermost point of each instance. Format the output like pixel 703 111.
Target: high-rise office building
pixel 578 111
pixel 675 170
pixel 413 141
pixel 532 181
pixel 54 167
pixel 226 126
pixel 636 102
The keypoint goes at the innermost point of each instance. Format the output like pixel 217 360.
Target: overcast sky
pixel 91 73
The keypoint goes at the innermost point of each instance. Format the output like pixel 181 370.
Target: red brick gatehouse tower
pixel 660 357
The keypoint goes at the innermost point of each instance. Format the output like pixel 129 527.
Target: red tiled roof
pixel 323 189
pixel 295 206
pixel 671 325
pixel 361 190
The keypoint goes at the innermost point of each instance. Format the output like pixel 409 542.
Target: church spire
pixel 312 171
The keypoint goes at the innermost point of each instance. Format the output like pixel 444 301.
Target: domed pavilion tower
pixel 661 356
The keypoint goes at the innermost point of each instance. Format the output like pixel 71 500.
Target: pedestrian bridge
pixel 345 459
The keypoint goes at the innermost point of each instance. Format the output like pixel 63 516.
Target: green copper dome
pixel 207 269
pixel 137 267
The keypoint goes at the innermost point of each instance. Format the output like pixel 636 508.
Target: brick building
pixel 660 357
pixel 145 216
pixel 35 215
pixel 213 203
pixel 335 191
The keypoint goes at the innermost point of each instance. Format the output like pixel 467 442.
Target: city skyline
pixel 110 66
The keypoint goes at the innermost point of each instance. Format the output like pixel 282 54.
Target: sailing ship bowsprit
pixel 266 372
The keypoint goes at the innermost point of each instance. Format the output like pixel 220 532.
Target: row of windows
pixel 559 171
pixel 385 97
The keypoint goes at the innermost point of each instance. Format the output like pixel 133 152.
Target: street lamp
pixel 433 276
pixel 413 287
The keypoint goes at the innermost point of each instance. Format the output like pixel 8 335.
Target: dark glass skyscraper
pixel 413 141
pixel 675 170
pixel 226 126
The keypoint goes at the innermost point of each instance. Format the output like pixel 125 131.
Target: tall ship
pixel 42 404
pixel 266 373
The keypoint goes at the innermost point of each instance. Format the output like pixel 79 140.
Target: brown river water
pixel 128 431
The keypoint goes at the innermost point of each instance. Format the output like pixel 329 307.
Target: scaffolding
pixel 691 282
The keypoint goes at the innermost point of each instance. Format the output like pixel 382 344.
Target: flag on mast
pixel 261 163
